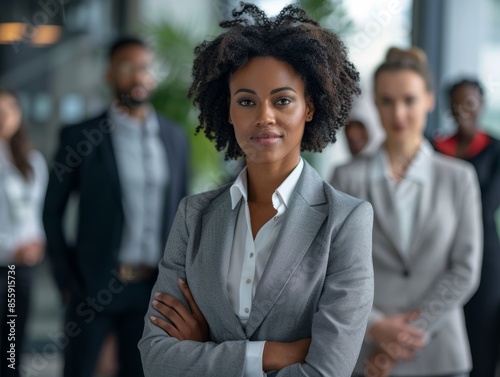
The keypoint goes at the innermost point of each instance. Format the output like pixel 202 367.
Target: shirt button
pixel 247 310
pixel 249 281
pixel 251 255
pixel 275 218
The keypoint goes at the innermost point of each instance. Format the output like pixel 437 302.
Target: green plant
pixel 174 48
pixel 329 13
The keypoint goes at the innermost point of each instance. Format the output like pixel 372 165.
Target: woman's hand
pixel 278 355
pixel 395 337
pixel 29 254
pixel 184 324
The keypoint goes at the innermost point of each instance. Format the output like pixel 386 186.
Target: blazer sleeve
pixel 460 280
pixel 62 181
pixel 186 165
pixel 340 322
pixel 40 189
pixel 340 181
pixel 181 152
pixel 163 355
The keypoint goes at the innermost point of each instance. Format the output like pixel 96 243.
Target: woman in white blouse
pixel 23 178
pixel 275 268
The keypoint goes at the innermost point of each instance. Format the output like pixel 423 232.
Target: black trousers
pixel 119 308
pixel 441 375
pixel 13 332
pixel 482 317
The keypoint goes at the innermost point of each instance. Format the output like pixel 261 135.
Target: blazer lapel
pixel 425 205
pixel 297 233
pixel 217 237
pixel 109 162
pixel 167 142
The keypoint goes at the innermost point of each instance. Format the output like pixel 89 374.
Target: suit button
pixel 406 273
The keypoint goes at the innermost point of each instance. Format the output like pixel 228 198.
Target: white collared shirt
pixel 249 256
pixel 407 192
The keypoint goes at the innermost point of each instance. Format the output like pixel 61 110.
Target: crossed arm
pixel 179 343
pixel 184 330
pixel 188 323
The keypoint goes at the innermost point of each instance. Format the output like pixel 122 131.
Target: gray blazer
pixel 439 272
pixel 318 283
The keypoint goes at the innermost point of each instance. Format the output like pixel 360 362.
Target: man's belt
pixel 135 273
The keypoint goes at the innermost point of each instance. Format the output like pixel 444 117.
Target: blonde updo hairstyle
pixel 413 59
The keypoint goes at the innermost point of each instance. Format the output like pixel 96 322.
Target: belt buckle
pixel 128 273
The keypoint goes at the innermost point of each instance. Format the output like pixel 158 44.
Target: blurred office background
pixel 54 52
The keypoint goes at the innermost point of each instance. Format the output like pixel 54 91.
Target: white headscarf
pixel 364 111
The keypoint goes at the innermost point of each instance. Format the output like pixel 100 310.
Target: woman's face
pixel 268 110
pixel 10 116
pixel 466 105
pixel 403 102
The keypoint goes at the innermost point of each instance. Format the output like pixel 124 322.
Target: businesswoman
pixel 470 143
pixel 275 268
pixel 23 180
pixel 427 234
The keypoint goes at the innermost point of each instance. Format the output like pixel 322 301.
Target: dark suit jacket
pixel 85 163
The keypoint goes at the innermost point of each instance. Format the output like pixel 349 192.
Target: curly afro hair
pixel 466 81
pixel 316 54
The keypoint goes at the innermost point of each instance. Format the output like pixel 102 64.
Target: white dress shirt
pixel 405 195
pixel 21 202
pixel 407 191
pixel 249 256
pixel 140 157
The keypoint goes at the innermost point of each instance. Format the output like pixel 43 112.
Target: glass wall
pixel 471 47
pixel 489 58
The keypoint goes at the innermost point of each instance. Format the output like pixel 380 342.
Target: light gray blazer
pixel 318 283
pixel 440 271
